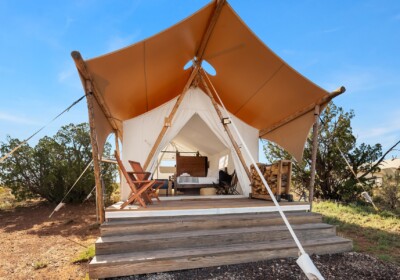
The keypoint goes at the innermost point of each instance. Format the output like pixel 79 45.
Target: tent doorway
pixel 193 158
pixel 196 126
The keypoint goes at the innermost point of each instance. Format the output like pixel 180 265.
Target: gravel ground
pixel 336 266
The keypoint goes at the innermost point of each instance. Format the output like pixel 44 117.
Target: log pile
pixel 278 177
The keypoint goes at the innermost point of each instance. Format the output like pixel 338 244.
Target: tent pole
pixel 95 153
pixel 199 57
pixel 304 261
pixel 314 154
pixel 85 75
pixel 219 4
pixel 119 155
pixel 228 131
pixel 168 120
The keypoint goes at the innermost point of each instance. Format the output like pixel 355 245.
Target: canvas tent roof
pixel 255 84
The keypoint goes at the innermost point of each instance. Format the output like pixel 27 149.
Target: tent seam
pixel 260 87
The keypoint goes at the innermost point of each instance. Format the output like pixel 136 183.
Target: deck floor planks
pixel 204 204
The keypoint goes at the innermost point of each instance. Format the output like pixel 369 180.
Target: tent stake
pixel 314 154
pixel 228 131
pixel 95 154
pixel 170 117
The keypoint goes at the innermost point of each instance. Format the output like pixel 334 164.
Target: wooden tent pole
pixel 210 27
pixel 314 154
pixel 119 155
pixel 84 73
pixel 168 120
pixel 227 129
pixel 95 153
pixel 199 57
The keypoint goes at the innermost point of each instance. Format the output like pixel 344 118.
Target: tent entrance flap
pixel 140 133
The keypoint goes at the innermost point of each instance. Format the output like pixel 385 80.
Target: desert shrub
pixel 50 168
pixel 389 192
pixel 334 180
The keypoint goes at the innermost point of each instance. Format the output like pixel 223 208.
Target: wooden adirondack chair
pixel 140 174
pixel 139 188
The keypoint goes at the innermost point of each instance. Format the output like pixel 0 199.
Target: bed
pixel 186 181
pixel 191 174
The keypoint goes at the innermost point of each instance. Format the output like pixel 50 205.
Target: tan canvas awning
pixel 254 83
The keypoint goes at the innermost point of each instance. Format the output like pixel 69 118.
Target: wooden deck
pixel 192 232
pixel 197 205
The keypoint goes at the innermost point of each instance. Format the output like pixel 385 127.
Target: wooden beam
pixel 314 154
pixel 95 154
pixel 210 27
pixel 84 73
pixel 108 160
pixel 169 119
pixel 227 129
pixel 303 111
pixel 119 155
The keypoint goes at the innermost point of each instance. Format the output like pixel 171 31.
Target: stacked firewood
pixel 272 175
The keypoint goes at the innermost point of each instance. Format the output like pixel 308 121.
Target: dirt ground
pixel 30 240
pixel 33 246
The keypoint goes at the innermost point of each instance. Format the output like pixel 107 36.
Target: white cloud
pixel 16 119
pixel 66 73
pixel 68 22
pixel 331 30
pixel 118 42
pixel 386 133
pixel 361 79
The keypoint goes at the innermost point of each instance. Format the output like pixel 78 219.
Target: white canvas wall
pixel 140 133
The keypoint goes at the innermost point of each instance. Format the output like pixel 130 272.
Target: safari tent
pixel 210 85
pixel 146 93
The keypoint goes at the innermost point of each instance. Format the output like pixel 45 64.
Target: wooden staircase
pixel 148 245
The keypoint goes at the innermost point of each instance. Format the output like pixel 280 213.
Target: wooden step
pixel 177 259
pixel 210 237
pixel 185 223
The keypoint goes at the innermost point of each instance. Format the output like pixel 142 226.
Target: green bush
pixel 49 169
pixel 389 192
pixel 334 179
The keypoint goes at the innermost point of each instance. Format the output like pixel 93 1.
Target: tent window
pixel 205 64
pixel 223 162
pixel 167 166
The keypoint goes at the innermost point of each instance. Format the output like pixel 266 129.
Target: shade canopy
pixel 255 85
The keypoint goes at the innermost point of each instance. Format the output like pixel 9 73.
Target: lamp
pixel 225 121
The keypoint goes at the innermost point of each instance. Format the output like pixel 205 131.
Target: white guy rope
pixel 364 193
pixel 259 172
pixel 90 194
pixel 27 139
pixel 61 204
pixel 304 261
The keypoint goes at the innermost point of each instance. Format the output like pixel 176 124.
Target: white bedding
pixel 197 180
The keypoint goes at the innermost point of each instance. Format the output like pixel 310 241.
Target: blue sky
pixel 333 43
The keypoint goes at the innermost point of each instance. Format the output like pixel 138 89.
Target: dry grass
pixel 8 201
pixel 376 233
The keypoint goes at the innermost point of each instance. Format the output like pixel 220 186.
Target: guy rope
pixel 30 137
